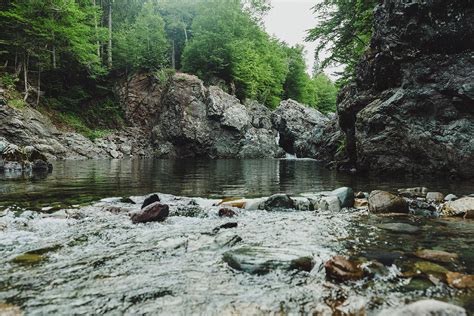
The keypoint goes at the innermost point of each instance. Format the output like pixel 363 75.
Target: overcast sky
pixel 289 20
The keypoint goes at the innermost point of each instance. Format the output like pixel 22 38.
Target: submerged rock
pixel 426 308
pixel 437 255
pixel 341 269
pixel 459 280
pixel 150 200
pixel 155 212
pixel 458 207
pixel 261 260
pixel 279 202
pixel 399 228
pixel 385 202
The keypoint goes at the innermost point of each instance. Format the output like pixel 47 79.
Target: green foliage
pixel 164 75
pixel 326 93
pixel 74 122
pixel 142 44
pixel 17 103
pixel 345 29
pixel 8 80
pixel 228 44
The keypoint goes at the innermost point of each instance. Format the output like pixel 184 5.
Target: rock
pixel 410 111
pixel 341 269
pixel 399 228
pixel 429 268
pixel 155 212
pixel 9 309
pixel 150 200
pixel 226 212
pixel 426 308
pixel 293 120
pixel 128 200
pixel 29 259
pixel 225 226
pixel 450 197
pixel 385 202
pixel 345 196
pixel 459 280
pixel 414 192
pixel 261 260
pixel 436 197
pixel 469 214
pixel 361 195
pixel 279 202
pixel 329 203
pixel 237 203
pixel 436 255
pixel 458 207
pixel 361 203
pixel 41 165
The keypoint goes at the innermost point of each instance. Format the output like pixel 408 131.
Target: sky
pixel 289 20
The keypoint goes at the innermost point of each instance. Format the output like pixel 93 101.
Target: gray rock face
pixel 411 108
pixel 262 260
pixel 195 121
pixel 296 124
pixel 279 202
pixel 345 196
pixel 385 202
pixel 426 308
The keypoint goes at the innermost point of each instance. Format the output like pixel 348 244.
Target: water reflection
pixel 75 182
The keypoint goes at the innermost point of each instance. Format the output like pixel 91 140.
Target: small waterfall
pixel 290 156
pixel 277 139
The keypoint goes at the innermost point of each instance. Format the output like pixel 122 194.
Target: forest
pixel 63 55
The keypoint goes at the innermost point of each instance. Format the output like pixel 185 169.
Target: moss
pixel 28 259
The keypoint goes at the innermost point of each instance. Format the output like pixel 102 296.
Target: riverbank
pixel 200 260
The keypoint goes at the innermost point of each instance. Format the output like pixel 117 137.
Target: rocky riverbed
pixel 336 252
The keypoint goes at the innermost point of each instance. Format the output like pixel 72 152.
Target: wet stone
pixel 385 202
pixel 399 228
pixel 426 308
pixel 437 197
pixel 413 192
pixel 262 260
pixel 155 212
pixel 150 200
pixel 458 207
pixel 279 202
pixel 341 269
pixel 436 255
pixel 345 196
pixel 226 212
pixel 225 226
pixel 459 280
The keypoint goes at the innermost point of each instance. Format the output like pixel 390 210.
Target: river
pixel 89 261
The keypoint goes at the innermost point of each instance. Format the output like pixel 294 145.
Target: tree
pixel 345 29
pixel 297 80
pixel 325 93
pixel 143 44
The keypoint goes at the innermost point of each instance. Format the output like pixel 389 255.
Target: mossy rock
pixel 29 259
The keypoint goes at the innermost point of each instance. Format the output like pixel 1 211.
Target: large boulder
pixel 426 308
pixel 296 123
pixel 155 212
pixel 386 202
pixel 411 109
pixel 458 207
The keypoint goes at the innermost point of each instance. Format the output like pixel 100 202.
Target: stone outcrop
pixel 411 109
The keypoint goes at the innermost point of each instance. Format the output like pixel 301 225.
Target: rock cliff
pixel 411 109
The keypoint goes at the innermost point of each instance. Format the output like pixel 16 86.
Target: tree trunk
pixel 173 58
pixel 54 56
pixel 38 93
pixel 96 26
pixel 110 36
pixel 25 74
pixel 185 34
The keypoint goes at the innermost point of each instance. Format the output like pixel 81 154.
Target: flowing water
pixel 61 252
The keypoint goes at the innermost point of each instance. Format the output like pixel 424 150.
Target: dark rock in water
pixel 426 308
pixel 279 202
pixel 128 200
pixel 386 257
pixel 341 269
pixel 150 200
pixel 345 196
pixel 261 260
pixel 361 195
pixel 399 228
pixel 155 212
pixel 225 226
pixel 41 165
pixel 385 202
pixel 422 208
pixel 411 108
pixel 226 212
